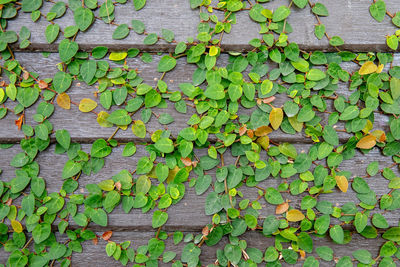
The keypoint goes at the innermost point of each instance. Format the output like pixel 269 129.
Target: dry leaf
pixel 380 135
pixel 250 133
pixel 268 99
pixel 64 101
pixel 263 141
pixel 87 105
pixel 205 231
pixel 263 130
pixel 19 122
pixel 342 183
pixel 367 142
pixel 186 161
pixel 43 84
pixel 368 68
pixel 282 208
pixel 242 130
pixel 294 215
pixel 107 235
pixel 276 117
pixel 118 185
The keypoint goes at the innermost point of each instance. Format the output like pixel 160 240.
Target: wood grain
pixel 84 128
pixel 347 18
pixel 96 255
pixel 188 214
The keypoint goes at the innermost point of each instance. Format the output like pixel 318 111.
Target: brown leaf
pixel 64 101
pixel 367 142
pixel 25 75
pixel 95 241
pixel 276 117
pixel 118 185
pixel 263 130
pixel 342 183
pixel 107 235
pixel 250 133
pixel 205 231
pixel 186 161
pixel 294 215
pixel 269 99
pixel 242 130
pixel 43 84
pixel 19 122
pixel 282 208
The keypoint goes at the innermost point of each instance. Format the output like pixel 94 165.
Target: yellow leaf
pixel 294 215
pixel 87 105
pixel 2 94
pixel 263 130
pixel 380 135
pixel 102 119
pixel 367 142
pixel 298 126
pixel 380 68
pixel 276 117
pixel 368 127
pixel 368 68
pixel 16 226
pixel 213 51
pixel 117 56
pixel 342 183
pixel 64 101
pixel 263 141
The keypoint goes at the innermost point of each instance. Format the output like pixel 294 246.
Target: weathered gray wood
pixel 95 255
pixel 84 128
pixel 188 214
pixel 349 19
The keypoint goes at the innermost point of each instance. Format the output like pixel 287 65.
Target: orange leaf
pixel 64 101
pixel 268 99
pixel 367 142
pixel 242 130
pixel 205 231
pixel 186 161
pixel 43 84
pixel 276 117
pixel 282 208
pixel 107 235
pixel 294 215
pixel 342 183
pixel 263 130
pixel 19 122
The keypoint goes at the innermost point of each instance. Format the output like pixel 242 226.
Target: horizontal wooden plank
pixel 84 128
pixel 349 19
pixel 95 255
pixel 188 214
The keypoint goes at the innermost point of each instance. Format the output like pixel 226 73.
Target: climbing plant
pixel 242 107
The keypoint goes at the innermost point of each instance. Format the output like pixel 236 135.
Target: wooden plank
pixel 95 255
pixel 188 214
pixel 349 19
pixel 84 128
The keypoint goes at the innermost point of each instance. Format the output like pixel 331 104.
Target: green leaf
pixel 99 216
pixel 280 13
pixel 100 149
pixel 83 18
pixel 363 256
pixel 379 221
pixel 41 232
pixel 144 165
pixel 52 32
pixel 71 168
pixel 129 149
pixel 67 49
pixel 138 26
pixel 378 10
pixel 300 3
pixel 395 128
pixel 393 234
pixel 139 4
pixel 273 196
pixel 315 75
pixel 120 32
pixel 330 136
pixel 19 160
pixel 164 145
pixel 88 70
pixel 27 96
pixel 320 10
pixel 159 218
pixel 166 63
pixel 337 234
pixel 120 117
pixel 31 5
pixel 336 41
pixel 152 99
pixel 62 81
pixel 150 39
pixel 215 91
pixel 322 224
pixel 63 138
pixel 213 203
pixel 233 253
pixel 139 129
